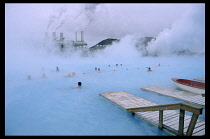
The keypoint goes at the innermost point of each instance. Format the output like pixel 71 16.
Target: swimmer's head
pixel 79 84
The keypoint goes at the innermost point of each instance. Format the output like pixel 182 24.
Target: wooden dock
pixel 200 79
pixel 170 118
pixel 182 95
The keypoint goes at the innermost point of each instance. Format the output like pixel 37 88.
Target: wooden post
pixel 181 122
pixel 160 119
pixel 192 124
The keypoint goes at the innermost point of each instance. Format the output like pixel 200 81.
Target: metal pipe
pixel 81 36
pixel 61 36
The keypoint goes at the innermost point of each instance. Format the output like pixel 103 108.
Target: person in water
pixel 57 69
pixel 79 84
pixel 99 70
pixel 149 69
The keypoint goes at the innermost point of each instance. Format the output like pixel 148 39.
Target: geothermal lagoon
pixel 53 106
pixel 49 103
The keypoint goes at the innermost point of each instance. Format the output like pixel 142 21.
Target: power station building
pixel 62 42
pixel 80 43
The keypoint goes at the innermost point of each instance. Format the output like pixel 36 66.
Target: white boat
pixel 190 86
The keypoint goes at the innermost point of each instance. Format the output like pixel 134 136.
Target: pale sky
pixel 98 21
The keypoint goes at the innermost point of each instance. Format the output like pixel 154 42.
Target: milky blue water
pixel 53 106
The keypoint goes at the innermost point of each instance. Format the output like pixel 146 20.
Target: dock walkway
pixel 200 79
pixel 170 117
pixel 182 95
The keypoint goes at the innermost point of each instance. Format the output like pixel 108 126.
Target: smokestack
pixel 81 36
pixel 75 36
pixel 61 36
pixel 53 36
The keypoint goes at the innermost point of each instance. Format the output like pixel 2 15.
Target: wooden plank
pixel 153 118
pixel 127 101
pixel 200 79
pixel 170 116
pixel 160 119
pixel 176 122
pixel 192 125
pixel 199 128
pixel 192 108
pixel 182 95
pixel 200 133
pixel 181 122
pixel 172 121
pixel 174 106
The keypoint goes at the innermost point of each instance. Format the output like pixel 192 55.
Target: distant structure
pixel 79 44
pixel 103 44
pixel 62 42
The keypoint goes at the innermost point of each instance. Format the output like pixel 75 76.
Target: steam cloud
pixel 173 29
pixel 187 33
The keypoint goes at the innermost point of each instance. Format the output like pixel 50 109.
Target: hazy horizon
pixel 175 26
pixel 97 21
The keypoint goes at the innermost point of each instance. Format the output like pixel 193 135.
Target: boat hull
pixel 190 88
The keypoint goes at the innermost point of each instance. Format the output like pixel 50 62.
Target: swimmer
pixel 29 77
pixel 116 64
pixel 69 74
pixel 108 65
pixel 149 69
pixel 79 84
pixel 95 68
pixel 120 64
pixel 159 65
pixel 57 69
pixel 73 73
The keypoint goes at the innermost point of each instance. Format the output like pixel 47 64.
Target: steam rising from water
pixel 186 33
pixel 43 106
pixel 173 29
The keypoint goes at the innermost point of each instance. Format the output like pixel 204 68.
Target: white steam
pixel 175 27
pixel 187 33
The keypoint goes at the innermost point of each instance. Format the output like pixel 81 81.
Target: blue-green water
pixel 53 106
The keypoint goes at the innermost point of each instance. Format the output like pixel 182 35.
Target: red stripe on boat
pixel 190 83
